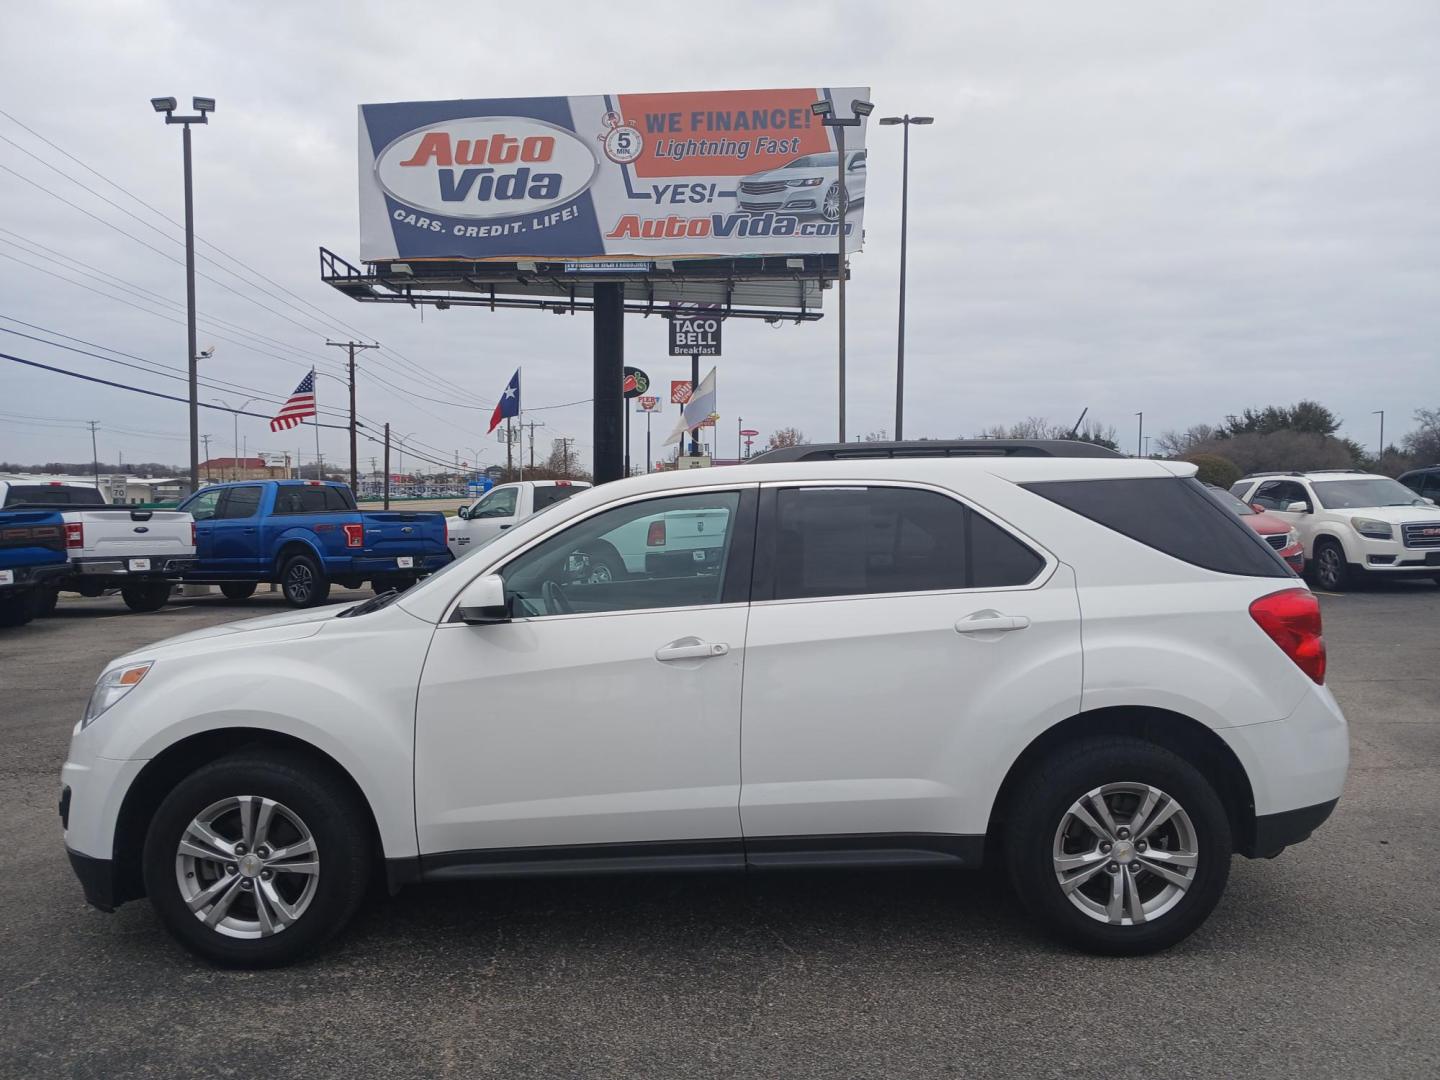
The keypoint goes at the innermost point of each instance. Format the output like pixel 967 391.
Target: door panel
pixel 568 730
pixel 875 715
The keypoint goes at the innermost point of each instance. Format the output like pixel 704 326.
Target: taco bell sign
pixel 698 335
pixel 720 173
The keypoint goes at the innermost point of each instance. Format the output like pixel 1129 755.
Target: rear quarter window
pixel 549 495
pixel 1170 514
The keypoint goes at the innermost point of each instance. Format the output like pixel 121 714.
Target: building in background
pixel 245 468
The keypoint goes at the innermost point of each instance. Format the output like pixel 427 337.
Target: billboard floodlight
pixel 821 108
pixel 204 104
pixel 862 108
pixel 164 104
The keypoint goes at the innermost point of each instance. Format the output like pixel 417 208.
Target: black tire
pixel 1329 569
pixel 146 596
pixel 237 590
pixel 42 603
pixel 606 563
pixel 1042 803
pixel 16 609
pixel 338 822
pixel 303 582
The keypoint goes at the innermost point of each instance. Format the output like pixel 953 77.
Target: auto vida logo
pixel 486 167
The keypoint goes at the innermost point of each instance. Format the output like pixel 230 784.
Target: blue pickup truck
pixel 32 562
pixel 306 535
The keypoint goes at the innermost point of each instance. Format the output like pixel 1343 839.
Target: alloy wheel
pixel 1125 853
pixel 247 867
pixel 830 206
pixel 300 582
pixel 1328 569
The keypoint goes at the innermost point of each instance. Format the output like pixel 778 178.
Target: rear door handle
pixel 987 622
pixel 504 526
pixel 691 649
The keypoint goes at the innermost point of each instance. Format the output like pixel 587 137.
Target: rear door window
pixel 240 502
pixel 1170 514
pixel 856 541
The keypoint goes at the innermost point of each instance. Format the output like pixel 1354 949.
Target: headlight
pixel 814 181
pixel 112 686
pixel 1292 538
pixel 1375 530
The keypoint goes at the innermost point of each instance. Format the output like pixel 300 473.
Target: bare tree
pixel 787 436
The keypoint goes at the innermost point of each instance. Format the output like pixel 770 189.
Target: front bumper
pixel 97 879
pixel 790 201
pixel 160 566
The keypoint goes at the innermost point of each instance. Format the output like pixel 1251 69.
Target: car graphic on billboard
pixel 807 185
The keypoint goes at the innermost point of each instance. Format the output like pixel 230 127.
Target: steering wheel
pixel 556 602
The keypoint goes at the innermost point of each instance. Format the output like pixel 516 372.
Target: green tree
pixel 1214 469
pixel 1309 417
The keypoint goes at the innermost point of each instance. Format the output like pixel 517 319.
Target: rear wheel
pixel 145 596
pixel 1118 846
pixel 834 198
pixel 1331 570
pixel 237 590
pixel 253 860
pixel 16 609
pixel 303 583
pixel 44 601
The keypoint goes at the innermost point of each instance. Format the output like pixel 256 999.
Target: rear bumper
pixel 30 576
pixel 161 566
pixel 1275 832
pixel 387 564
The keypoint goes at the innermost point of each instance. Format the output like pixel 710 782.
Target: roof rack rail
pixel 936 448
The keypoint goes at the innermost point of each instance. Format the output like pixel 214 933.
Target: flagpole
pixel 316 421
pixel 520 414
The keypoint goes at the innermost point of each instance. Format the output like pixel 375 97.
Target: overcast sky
pixel 1184 209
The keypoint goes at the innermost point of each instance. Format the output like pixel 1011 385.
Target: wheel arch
pixel 175 762
pixel 291 546
pixel 1183 735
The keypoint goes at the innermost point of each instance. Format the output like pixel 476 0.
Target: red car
pixel 1275 531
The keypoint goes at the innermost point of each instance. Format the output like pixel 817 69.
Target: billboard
pixel 720 173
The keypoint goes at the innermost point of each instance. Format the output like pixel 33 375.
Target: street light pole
pixel 1140 435
pixel 203 108
pixel 826 112
pixel 235 416
pixel 906 121
pixel 1380 413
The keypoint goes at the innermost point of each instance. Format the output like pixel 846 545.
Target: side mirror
pixel 463 512
pixel 1297 508
pixel 1259 508
pixel 1428 499
pixel 483 601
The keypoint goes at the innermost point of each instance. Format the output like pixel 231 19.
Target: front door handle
pixel 691 649
pixel 986 622
pixel 504 526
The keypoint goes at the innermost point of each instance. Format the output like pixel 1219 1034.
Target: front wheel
pixel 835 197
pixel 1332 572
pixel 149 596
pixel 303 583
pixel 1118 846
pixel 16 609
pixel 255 859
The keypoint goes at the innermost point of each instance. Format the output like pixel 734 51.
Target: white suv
pixel 1085 667
pixel 1351 523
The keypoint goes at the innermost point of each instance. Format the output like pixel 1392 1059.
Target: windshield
pixel 1369 491
pixel 1236 506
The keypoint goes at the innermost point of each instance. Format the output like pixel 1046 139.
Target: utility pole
pixel 387 465
pixel 532 425
pixel 565 441
pixel 351 346
pixel 95 454
pixel 1380 413
pixel 206 440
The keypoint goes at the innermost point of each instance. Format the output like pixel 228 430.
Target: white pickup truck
pixel 503 506
pixel 140 552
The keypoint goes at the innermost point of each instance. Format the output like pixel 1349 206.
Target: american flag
pixel 300 405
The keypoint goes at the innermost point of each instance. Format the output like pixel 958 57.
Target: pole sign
pixel 636 382
pixel 695 335
pixel 680 391
pixel 722 173
pixel 649 404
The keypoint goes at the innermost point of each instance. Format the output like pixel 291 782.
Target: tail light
pixel 192 534
pixel 74 534
pixel 355 535
pixel 655 537
pixel 1292 619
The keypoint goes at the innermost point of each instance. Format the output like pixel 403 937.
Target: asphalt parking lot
pixel 1324 962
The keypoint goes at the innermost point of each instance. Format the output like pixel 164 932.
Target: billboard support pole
pixel 627 437
pixel 647 441
pixel 387 465
pixel 609 380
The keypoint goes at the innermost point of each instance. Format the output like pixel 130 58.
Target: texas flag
pixel 509 402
